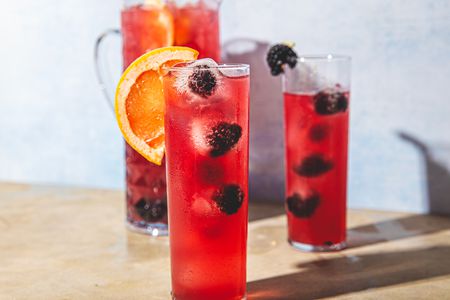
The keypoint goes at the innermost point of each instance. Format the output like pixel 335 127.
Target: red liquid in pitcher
pixel 145 28
pixel 197 27
pixel 316 137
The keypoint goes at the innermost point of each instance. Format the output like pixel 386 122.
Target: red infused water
pixel 146 193
pixel 316 137
pixel 206 125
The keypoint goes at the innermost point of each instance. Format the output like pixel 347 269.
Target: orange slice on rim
pixel 139 103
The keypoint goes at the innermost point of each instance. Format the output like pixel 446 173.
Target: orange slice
pixel 140 100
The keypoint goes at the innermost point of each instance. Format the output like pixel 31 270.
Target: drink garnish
pixel 318 132
pixel 200 78
pixel 279 56
pixel 229 198
pixel 303 207
pixel 328 102
pixel 313 165
pixel 151 210
pixel 140 100
pixel 223 137
pixel 202 81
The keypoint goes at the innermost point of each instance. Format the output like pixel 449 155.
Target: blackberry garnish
pixel 303 208
pixel 223 137
pixel 330 102
pixel 318 132
pixel 202 81
pixel 313 165
pixel 229 198
pixel 151 210
pixel 280 55
pixel 209 171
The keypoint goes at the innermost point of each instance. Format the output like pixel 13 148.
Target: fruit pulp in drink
pixel 207 176
pixel 197 26
pixel 316 137
pixel 145 28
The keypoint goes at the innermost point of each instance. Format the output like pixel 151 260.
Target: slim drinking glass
pixel 206 127
pixel 316 108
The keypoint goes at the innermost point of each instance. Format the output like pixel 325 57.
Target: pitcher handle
pixel 99 70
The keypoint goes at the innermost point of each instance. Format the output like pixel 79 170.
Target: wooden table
pixel 71 243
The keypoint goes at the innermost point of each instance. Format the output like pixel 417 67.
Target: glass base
pixel 173 297
pixel 153 229
pixel 318 248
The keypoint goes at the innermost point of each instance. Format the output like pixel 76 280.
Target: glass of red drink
pixel 206 128
pixel 316 107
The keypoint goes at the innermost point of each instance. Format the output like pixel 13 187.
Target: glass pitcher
pixel 146 25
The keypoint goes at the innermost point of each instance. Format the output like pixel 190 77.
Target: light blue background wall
pixel 56 128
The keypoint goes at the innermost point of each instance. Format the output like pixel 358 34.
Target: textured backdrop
pixel 56 128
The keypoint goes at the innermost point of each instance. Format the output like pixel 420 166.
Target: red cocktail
pixel 316 106
pixel 206 127
pixel 316 169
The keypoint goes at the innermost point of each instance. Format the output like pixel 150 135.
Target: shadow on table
pixel 338 276
pixel 437 190
pixel 263 210
pixel 396 229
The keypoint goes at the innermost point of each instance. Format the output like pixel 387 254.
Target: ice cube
pixel 204 62
pixel 199 130
pixel 206 215
pixel 202 207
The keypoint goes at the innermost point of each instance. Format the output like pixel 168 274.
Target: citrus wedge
pixel 139 102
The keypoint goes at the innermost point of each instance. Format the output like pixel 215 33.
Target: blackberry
pixel 313 165
pixel 151 210
pixel 303 208
pixel 229 198
pixel 318 132
pixel 223 137
pixel 280 55
pixel 209 171
pixel 202 81
pixel 330 102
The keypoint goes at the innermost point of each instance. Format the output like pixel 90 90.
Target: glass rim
pixel 323 57
pixel 225 66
